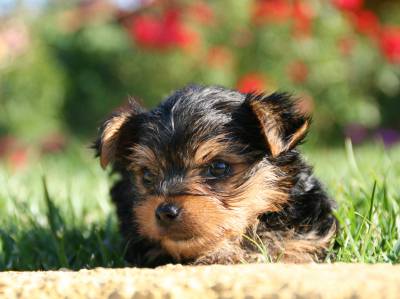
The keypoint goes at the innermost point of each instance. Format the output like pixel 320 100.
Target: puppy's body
pixel 210 174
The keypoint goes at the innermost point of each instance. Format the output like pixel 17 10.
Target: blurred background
pixel 65 65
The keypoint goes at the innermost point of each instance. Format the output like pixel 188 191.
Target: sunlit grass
pixel 365 184
pixel 57 213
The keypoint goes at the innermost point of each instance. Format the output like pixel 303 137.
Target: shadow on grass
pixel 57 243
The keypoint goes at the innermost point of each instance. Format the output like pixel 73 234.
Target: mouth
pixel 173 235
pixel 185 248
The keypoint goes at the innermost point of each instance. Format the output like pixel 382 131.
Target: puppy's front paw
pixel 218 258
pixel 225 255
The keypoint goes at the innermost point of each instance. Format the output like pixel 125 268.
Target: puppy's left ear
pixel 282 124
pixel 111 130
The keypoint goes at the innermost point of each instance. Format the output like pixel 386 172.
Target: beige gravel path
pixel 240 281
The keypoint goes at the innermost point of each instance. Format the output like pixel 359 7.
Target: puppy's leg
pixel 228 253
pixel 292 247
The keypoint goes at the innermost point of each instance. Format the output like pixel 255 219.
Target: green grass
pixel 57 214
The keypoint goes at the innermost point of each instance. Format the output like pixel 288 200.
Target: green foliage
pixel 369 207
pixel 32 93
pixel 77 69
pixel 57 215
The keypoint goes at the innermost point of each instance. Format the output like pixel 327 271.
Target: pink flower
pixel 251 82
pixel 15 39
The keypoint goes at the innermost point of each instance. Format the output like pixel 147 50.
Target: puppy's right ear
pixel 281 123
pixel 111 129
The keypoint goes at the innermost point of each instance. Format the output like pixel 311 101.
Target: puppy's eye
pixel 147 177
pixel 218 169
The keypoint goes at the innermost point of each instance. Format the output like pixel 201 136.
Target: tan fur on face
pixel 208 222
pixel 145 217
pixel 204 223
pixel 258 200
pixel 211 219
pixel 210 148
pixel 143 156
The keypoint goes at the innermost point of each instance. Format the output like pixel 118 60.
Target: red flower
pixel 297 71
pixel 305 104
pixel 190 40
pixel 162 33
pixel 14 152
pixel 18 158
pixel 303 15
pixel 172 28
pixel 219 56
pixel 349 5
pixel 366 22
pixel 201 12
pixel 276 11
pixel 346 45
pixel 242 37
pixel 251 82
pixel 7 144
pixel 279 11
pixel 390 44
pixel 146 31
pixel 53 143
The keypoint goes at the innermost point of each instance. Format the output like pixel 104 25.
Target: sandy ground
pixel 240 281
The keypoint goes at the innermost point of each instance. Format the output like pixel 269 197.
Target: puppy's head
pixel 202 164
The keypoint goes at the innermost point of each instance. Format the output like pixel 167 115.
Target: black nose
pixel 166 213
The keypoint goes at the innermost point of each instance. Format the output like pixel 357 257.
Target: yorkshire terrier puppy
pixel 211 176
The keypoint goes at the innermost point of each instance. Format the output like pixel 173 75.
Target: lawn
pixel 57 213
